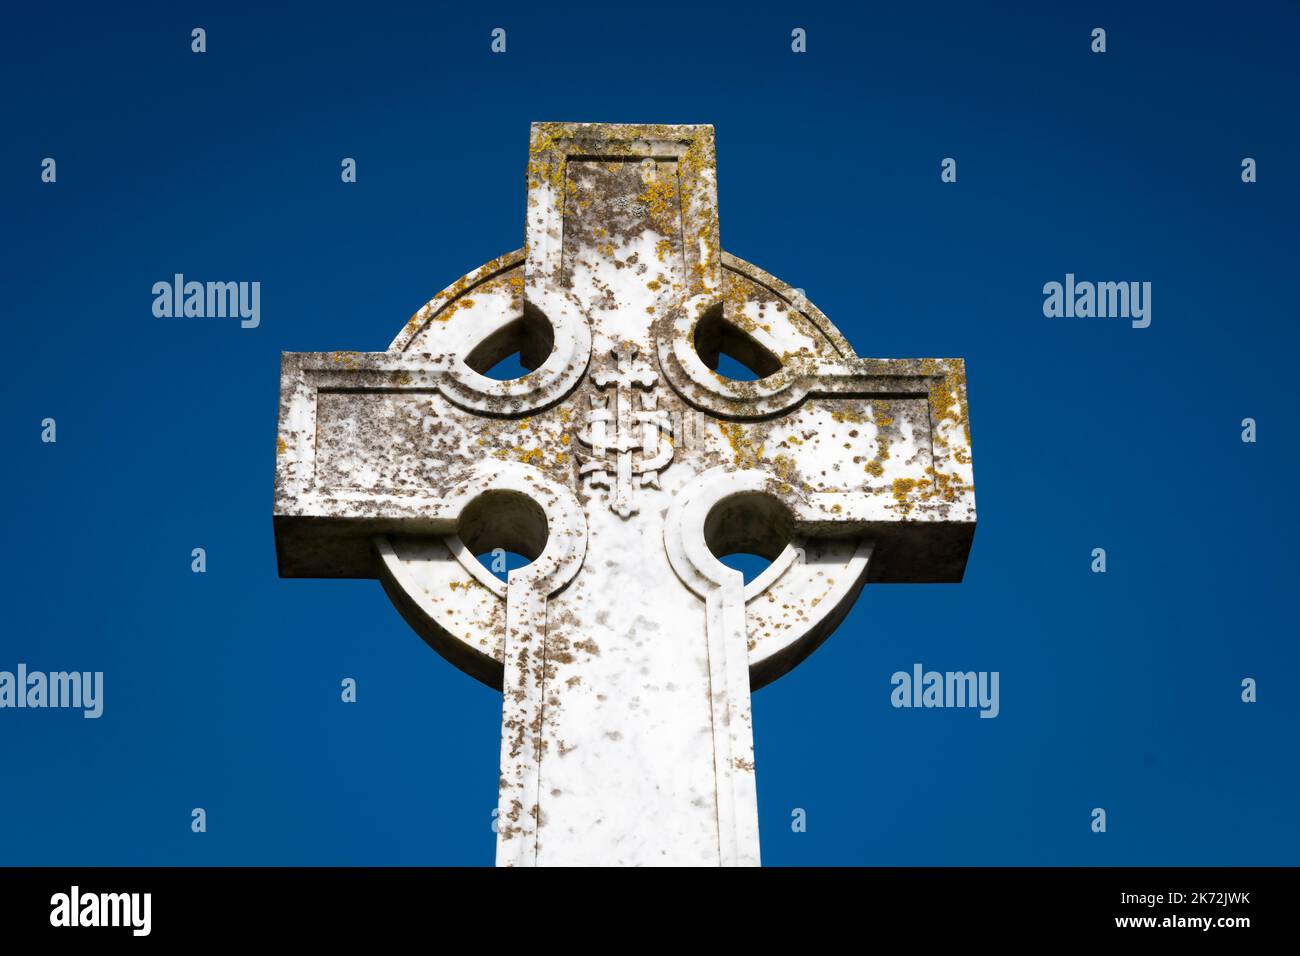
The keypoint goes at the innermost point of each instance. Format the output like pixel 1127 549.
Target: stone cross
pixel 623 465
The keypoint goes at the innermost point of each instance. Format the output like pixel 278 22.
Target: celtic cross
pixel 624 466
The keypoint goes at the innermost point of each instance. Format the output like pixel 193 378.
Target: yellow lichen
pixel 745 454
pixel 902 493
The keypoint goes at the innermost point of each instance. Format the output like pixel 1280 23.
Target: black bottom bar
pixel 337 904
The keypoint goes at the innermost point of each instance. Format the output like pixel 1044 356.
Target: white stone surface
pixel 626 651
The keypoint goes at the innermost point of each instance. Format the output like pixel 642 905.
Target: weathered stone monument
pixel 623 466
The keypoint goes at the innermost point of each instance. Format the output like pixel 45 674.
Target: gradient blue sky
pixel 1118 690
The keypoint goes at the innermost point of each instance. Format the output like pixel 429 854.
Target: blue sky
pixel 1119 690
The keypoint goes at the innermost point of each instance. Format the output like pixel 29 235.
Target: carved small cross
pixel 630 401
pixel 623 466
